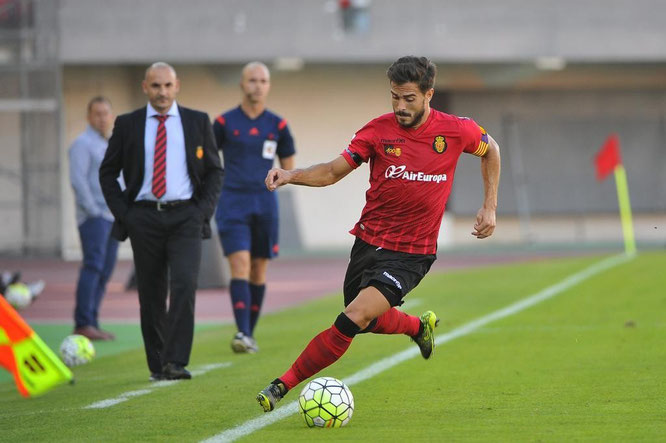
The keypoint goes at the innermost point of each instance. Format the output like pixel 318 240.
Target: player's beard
pixel 417 118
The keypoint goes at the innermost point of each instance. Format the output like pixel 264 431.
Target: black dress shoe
pixel 156 376
pixel 175 371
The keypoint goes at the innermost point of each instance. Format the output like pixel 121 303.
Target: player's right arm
pixel 322 174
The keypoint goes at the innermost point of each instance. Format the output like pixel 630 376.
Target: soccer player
pixel 412 154
pixel 250 137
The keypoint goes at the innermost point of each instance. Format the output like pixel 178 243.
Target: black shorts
pixel 393 273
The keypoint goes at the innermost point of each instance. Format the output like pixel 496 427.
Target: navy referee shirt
pixel 249 147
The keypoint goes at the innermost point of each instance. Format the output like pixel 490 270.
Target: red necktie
pixel 159 160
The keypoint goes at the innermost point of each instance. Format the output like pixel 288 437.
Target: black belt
pixel 161 206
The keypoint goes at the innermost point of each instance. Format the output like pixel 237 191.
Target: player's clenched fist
pixel 485 223
pixel 276 177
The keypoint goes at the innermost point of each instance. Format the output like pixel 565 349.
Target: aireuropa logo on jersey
pixel 400 172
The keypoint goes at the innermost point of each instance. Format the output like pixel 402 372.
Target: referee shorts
pixel 248 221
pixel 393 273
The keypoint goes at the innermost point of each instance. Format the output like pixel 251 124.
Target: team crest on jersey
pixel 199 152
pixel 392 150
pixel 439 144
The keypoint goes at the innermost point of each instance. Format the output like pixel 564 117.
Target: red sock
pixel 394 321
pixel 325 349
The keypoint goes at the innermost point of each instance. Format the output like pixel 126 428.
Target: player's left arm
pixel 490 172
pixel 319 175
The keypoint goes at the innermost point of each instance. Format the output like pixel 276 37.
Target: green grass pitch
pixel 586 365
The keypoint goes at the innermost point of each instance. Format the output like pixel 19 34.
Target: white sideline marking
pixel 159 384
pixel 121 398
pixel 207 368
pixel 250 426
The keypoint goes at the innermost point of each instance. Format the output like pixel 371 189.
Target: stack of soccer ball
pixel 76 350
pixel 326 402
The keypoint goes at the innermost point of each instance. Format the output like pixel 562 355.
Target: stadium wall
pixel 551 197
pixel 228 31
pixel 506 63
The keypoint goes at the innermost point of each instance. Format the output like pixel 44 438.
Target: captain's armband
pixel 483 144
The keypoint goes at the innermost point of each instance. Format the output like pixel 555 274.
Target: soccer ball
pixel 326 402
pixel 18 295
pixel 76 350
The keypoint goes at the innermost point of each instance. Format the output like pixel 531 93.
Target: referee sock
pixel 394 321
pixel 257 293
pixel 240 302
pixel 324 350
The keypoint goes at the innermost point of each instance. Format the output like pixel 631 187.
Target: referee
pixel 251 137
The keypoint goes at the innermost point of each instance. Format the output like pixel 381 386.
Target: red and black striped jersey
pixel 411 174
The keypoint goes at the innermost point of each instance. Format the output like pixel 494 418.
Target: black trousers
pixel 167 254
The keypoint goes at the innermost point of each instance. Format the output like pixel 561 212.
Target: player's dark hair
pixel 412 69
pixel 98 99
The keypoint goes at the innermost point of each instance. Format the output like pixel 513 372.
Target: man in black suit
pixel 170 164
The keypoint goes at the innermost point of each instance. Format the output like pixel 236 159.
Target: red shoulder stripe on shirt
pixel 220 120
pixel 282 125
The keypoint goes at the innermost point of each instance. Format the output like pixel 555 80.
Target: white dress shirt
pixel 178 184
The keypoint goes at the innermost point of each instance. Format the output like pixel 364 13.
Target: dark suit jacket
pixel 126 153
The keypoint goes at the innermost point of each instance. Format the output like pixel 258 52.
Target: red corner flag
pixel 608 157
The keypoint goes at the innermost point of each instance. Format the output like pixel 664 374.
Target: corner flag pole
pixel 625 210
pixel 608 160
